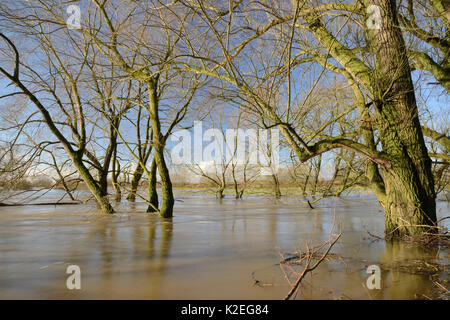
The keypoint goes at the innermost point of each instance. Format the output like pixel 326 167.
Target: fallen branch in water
pixel 445 293
pixel 37 204
pixel 309 255
pixel 372 235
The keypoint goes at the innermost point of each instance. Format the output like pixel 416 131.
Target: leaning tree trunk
pixel 409 200
pixel 100 192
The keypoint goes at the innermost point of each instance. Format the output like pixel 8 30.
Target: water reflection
pixel 165 228
pixel 406 278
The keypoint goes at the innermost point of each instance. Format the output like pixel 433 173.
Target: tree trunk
pixel 152 192
pixel 117 191
pixel 305 185
pixel 115 176
pixel 276 186
pixel 346 176
pixel 409 202
pixel 99 191
pixel 168 202
pixel 137 175
pixel 221 187
pixel 166 210
pixel 337 169
pixel 235 183
pixel 317 173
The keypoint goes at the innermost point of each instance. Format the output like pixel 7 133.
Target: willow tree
pixel 255 42
pixel 57 94
pixel 141 39
pixel 74 88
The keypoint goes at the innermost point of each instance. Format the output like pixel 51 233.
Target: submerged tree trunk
pixel 117 192
pixel 237 193
pixel 168 200
pixel 144 151
pixel 401 177
pixel 316 176
pixel 235 183
pixel 276 186
pixel 137 175
pixel 305 185
pixel 100 192
pixel 152 192
pixel 409 200
pixel 115 176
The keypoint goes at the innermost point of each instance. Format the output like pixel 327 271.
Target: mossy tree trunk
pixel 168 200
pixel 409 200
pixel 98 191
pixel 400 174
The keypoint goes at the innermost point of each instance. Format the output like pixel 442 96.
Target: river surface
pixel 211 249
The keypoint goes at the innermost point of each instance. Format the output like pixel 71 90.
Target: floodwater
pixel 211 249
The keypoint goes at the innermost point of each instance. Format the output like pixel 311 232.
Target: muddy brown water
pixel 211 249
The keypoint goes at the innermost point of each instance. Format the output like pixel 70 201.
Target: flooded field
pixel 211 249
